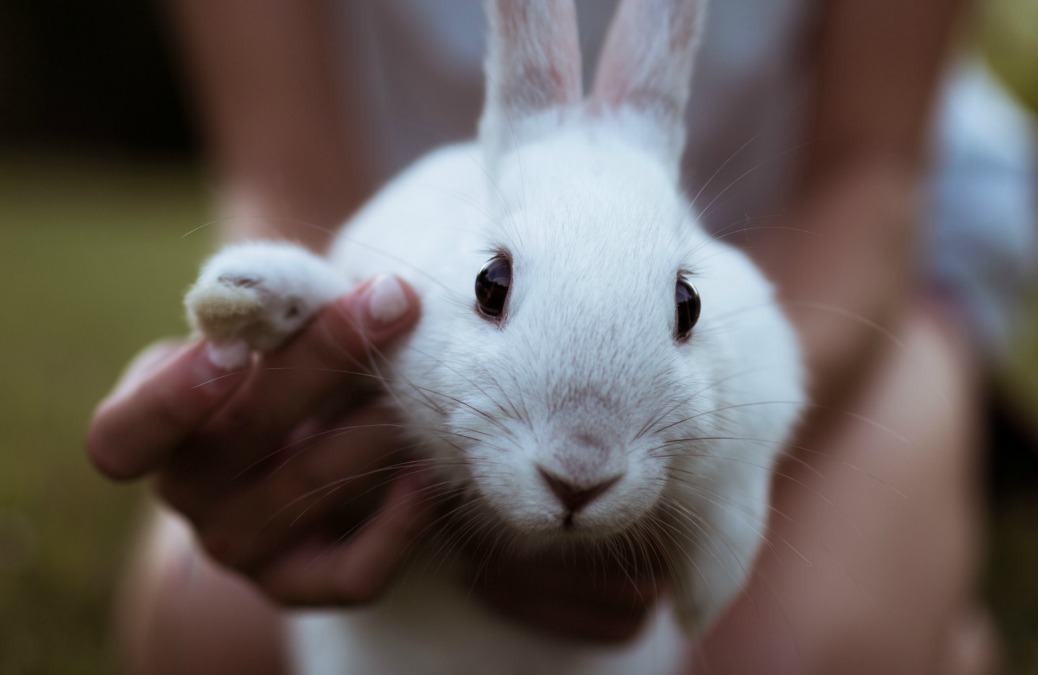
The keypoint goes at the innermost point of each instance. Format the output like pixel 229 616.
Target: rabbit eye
pixel 492 285
pixel 686 298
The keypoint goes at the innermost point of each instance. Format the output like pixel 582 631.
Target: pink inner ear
pixel 646 63
pixel 534 56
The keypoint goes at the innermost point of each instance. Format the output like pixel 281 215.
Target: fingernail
pixel 233 355
pixel 387 302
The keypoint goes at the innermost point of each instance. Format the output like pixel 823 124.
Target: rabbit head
pixel 588 384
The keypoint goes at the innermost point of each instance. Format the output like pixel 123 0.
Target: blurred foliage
pixel 1008 31
pixel 94 264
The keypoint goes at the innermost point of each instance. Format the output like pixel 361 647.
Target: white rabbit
pixel 574 396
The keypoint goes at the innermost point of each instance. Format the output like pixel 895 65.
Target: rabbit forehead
pixel 583 151
pixel 597 233
pixel 584 200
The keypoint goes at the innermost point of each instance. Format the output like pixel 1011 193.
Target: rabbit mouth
pixel 644 539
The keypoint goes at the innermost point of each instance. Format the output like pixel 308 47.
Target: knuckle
pixel 337 338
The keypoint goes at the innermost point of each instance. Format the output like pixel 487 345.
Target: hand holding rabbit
pixel 212 431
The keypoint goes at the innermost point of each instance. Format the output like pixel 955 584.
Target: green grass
pixel 92 266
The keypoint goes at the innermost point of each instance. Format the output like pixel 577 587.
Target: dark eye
pixel 687 299
pixel 492 287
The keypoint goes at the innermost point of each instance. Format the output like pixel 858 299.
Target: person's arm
pixel 849 282
pixel 265 83
pixel 870 599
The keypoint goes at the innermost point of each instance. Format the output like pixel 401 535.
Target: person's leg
pixel 179 614
pixel 875 540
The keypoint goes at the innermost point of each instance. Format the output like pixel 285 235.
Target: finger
pixel 341 472
pixel 359 570
pixel 329 357
pixel 145 364
pixel 165 396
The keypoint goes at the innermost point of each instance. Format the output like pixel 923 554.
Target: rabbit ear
pixel 646 68
pixel 532 68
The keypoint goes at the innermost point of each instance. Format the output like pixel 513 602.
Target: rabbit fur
pixel 582 376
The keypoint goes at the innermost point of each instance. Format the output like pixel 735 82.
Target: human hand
pixel 279 464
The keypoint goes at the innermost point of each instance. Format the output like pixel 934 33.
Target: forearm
pixel 846 266
pixel 268 98
pixel 843 261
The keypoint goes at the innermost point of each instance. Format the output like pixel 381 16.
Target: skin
pixel 871 601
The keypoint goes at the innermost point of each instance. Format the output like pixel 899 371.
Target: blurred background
pixel 101 190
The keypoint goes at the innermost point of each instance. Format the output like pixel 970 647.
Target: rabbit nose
pixel 575 498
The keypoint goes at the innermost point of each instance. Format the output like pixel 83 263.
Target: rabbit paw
pixel 260 293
